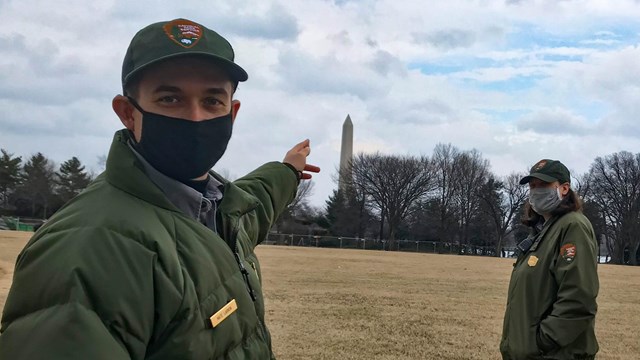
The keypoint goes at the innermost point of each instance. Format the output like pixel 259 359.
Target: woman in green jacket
pixel 551 304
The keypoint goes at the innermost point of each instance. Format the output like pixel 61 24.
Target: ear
pixel 235 107
pixel 564 189
pixel 123 108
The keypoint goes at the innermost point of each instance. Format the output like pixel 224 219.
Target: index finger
pixel 311 168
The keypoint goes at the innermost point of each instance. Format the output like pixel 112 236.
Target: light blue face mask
pixel 544 200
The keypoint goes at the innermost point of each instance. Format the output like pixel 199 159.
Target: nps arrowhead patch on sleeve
pixel 568 252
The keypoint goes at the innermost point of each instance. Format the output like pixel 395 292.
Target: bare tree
pixel 615 186
pixel 444 163
pixel 298 210
pixel 392 184
pixel 305 190
pixel 470 173
pixel 503 199
pixel 593 210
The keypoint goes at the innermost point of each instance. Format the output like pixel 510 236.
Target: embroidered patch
pixel 183 32
pixel 539 165
pixel 568 252
pixel 533 260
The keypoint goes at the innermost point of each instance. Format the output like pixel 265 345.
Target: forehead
pixel 187 72
pixel 535 182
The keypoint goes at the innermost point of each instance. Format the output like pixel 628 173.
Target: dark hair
pixel 132 88
pixel 571 202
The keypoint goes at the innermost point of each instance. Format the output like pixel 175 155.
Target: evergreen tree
pixel 38 184
pixel 71 179
pixel 347 214
pixel 9 176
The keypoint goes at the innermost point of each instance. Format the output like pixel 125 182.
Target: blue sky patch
pixel 517 83
pixel 600 35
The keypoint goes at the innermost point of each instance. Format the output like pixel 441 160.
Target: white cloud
pixel 410 75
pixel 600 42
pixel 555 121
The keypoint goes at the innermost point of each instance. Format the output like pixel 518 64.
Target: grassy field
pixel 352 304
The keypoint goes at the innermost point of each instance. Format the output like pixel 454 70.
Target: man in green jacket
pixel 155 259
pixel 551 305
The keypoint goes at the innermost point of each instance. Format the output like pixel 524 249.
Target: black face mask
pixel 180 148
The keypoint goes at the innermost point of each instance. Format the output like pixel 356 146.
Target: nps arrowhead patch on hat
pixel 549 171
pixel 539 165
pixel 183 32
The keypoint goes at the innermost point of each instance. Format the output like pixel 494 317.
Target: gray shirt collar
pixel 188 200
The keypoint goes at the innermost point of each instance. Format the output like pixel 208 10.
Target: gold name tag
pixel 223 313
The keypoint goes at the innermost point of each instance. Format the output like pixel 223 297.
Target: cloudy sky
pixel 517 80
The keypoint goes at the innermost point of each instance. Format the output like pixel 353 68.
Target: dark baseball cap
pixel 180 37
pixel 549 171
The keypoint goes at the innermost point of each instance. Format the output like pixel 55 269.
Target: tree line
pixel 36 188
pixel 451 196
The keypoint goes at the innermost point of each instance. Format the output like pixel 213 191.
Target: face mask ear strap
pixel 558 189
pixel 135 104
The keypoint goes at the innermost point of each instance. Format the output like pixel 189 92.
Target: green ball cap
pixel 179 37
pixel 548 171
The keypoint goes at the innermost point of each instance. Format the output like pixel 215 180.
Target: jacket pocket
pixel 232 325
pixel 544 343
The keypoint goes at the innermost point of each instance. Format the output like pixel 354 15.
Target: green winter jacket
pixel 121 273
pixel 551 304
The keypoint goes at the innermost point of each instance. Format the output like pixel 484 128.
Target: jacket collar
pixel 128 173
pixel 189 200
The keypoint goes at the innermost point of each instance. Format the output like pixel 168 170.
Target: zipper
pixel 253 265
pixel 245 275
pixel 245 272
pixel 236 254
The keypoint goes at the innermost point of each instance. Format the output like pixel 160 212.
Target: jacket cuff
pixel 295 171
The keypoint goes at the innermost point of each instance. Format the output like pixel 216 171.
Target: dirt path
pixel 6 272
pixel 11 244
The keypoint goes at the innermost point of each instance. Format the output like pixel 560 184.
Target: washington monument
pixel 346 153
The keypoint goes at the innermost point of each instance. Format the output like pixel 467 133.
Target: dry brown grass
pixel 352 304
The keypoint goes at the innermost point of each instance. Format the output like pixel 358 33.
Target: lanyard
pixel 532 241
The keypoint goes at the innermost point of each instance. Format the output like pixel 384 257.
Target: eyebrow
pixel 175 89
